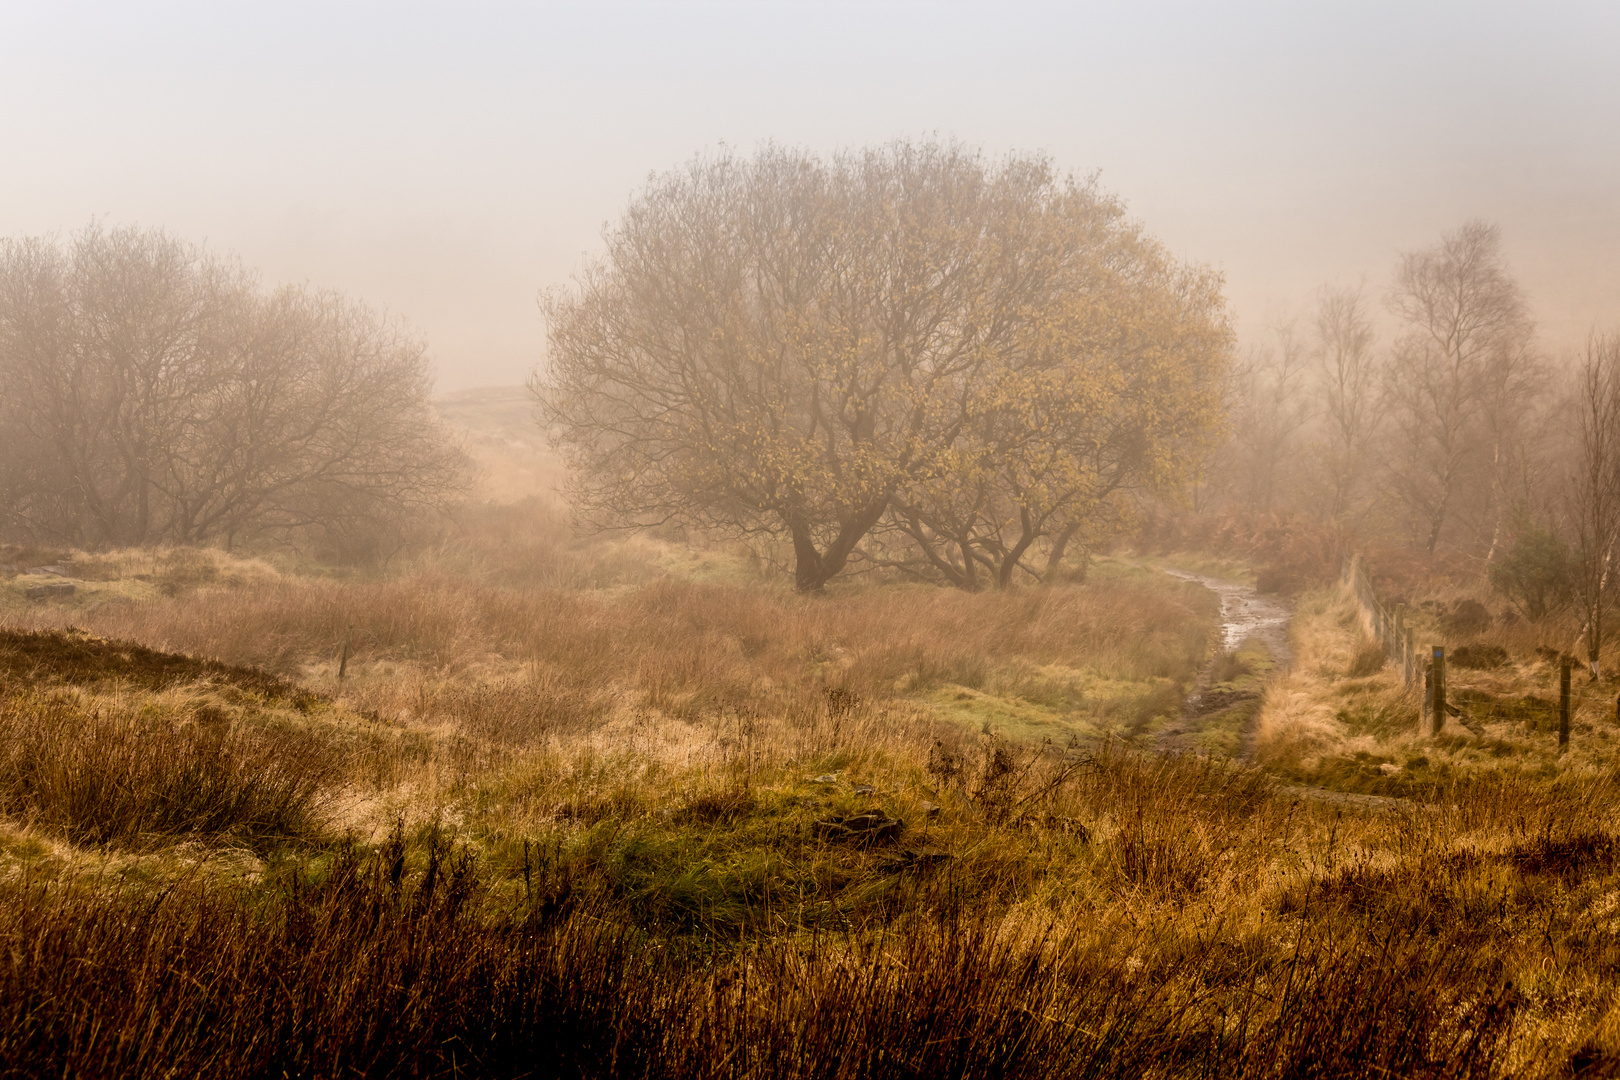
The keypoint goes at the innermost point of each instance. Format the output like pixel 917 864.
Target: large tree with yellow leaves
pixel 977 359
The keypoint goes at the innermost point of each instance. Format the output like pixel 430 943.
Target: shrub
pixel 1478 656
pixel 1465 617
pixel 1534 573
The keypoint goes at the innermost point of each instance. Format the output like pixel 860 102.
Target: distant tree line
pixel 152 393
pixel 1435 437
pixel 908 357
pixel 1457 434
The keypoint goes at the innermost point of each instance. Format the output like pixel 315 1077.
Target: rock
pixel 825 778
pixel 831 829
pixel 43 592
pixel 865 789
pixel 929 810
pixel 872 827
pixel 1389 768
pixel 48 571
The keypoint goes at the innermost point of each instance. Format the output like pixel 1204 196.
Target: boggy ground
pixel 543 830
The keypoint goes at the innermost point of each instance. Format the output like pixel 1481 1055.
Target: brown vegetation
pixel 692 648
pixel 542 830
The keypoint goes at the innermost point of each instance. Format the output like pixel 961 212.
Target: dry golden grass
pixel 580 826
pixel 684 648
pixel 1340 719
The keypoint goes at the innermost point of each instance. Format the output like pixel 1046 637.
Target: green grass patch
pixel 1015 718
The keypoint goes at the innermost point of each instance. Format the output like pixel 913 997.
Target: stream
pixel 1247 614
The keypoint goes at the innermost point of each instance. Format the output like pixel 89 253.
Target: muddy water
pixel 1246 614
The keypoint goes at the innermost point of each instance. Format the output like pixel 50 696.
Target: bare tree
pixel 1594 490
pixel 153 394
pixel 795 348
pixel 1347 370
pixel 1273 407
pixel 1458 366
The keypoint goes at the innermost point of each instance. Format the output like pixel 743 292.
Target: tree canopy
pixel 910 354
pixel 152 393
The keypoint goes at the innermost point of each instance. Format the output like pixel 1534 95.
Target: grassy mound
pixel 34 657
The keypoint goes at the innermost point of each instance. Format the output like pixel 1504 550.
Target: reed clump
pixel 109 772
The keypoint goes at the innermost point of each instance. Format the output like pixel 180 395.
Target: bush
pixel 1466 617
pixel 1479 656
pixel 1534 573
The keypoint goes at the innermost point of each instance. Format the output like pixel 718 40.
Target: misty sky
pixel 449 161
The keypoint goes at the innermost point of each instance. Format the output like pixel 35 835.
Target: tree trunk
pixel 970 572
pixel 1060 544
pixel 813 569
pixel 807 575
pixel 1014 556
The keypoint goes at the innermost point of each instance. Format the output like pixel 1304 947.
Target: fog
pixel 448 163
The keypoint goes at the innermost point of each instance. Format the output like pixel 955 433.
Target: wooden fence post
pixel 1411 656
pixel 1563 705
pixel 343 662
pixel 1439 688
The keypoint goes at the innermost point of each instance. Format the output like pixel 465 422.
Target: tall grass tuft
pixel 113 774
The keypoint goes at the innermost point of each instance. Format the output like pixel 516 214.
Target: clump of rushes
pixel 101 772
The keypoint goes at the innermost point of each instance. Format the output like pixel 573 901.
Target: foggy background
pixel 447 162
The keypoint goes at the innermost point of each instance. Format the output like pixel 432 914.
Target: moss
pixel 1016 718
